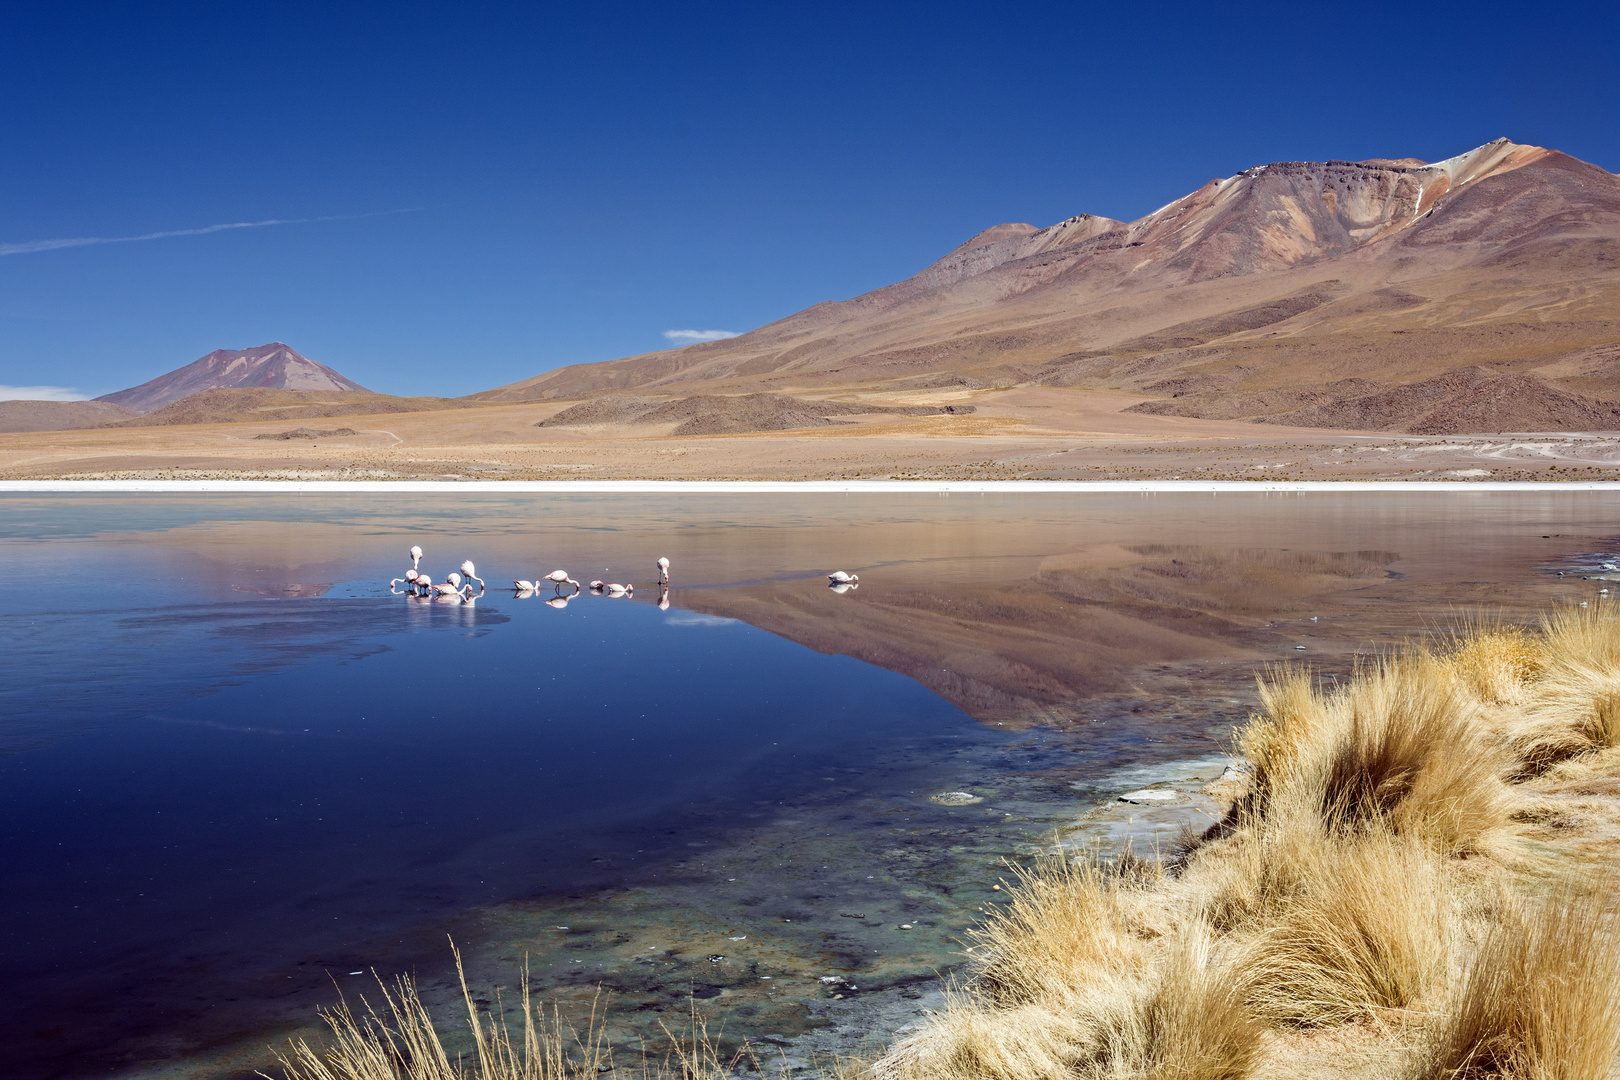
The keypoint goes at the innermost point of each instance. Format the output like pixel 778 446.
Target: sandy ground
pixel 1023 433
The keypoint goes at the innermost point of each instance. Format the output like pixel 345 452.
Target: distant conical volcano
pixel 274 366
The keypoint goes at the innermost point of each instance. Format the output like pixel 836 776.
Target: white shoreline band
pixel 789 487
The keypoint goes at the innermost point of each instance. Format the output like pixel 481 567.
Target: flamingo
pixel 450 588
pixel 596 584
pixel 838 577
pixel 409 581
pixel 525 586
pixel 560 602
pixel 663 570
pixel 560 577
pixel 471 576
pixel 615 589
pixel 416 558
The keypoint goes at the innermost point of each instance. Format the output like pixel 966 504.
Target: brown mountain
pixel 245 404
pixel 58 415
pixel 273 366
pixel 1478 293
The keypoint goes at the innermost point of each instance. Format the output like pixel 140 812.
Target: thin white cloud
pixel 41 393
pixel 31 246
pixel 686 337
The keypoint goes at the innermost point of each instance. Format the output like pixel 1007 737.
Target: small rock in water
pixel 955 798
pixel 715 958
pixel 905 926
pixel 1151 795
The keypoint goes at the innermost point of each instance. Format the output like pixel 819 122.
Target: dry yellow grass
pixel 1541 1000
pixel 1198 1025
pixel 1368 898
pixel 1065 932
pixel 1399 747
pixel 398 1041
pixel 1363 931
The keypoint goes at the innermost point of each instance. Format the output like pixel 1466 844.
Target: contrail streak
pixel 32 246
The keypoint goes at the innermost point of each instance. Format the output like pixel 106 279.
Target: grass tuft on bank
pixel 1397 892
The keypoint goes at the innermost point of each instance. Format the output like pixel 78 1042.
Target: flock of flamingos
pixel 457 588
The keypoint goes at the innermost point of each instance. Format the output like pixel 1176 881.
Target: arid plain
pixel 1033 433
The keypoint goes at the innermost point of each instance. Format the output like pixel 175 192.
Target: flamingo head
pixel 411 575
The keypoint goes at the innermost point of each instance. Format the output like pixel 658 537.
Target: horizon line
pixel 792 487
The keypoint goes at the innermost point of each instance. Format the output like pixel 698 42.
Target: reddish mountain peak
pixel 991 235
pixel 275 366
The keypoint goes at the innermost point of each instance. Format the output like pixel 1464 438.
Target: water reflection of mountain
pixel 1030 650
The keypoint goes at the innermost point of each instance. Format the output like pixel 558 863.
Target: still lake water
pixel 233 765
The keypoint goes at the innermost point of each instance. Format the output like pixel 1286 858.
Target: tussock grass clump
pixel 1497 663
pixel 398 1041
pixel 1399 748
pixel 1369 885
pixel 1541 1000
pixel 1063 936
pixel 1190 1022
pixel 1363 931
pixel 1577 701
pixel 972 1040
pixel 1198 1025
pixel 1056 980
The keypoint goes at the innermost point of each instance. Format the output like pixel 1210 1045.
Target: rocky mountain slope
pixel 1479 293
pixel 273 366
pixel 246 404
pixel 58 415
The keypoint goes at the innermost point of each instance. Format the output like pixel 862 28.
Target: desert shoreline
pixel 795 487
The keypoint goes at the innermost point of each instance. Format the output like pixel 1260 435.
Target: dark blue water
pixel 231 760
pixel 208 786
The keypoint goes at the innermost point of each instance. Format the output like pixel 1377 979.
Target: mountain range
pixel 1479 293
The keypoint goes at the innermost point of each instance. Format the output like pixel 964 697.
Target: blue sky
pixel 472 194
